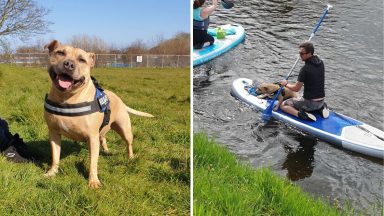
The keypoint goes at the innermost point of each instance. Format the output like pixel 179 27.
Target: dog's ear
pixel 92 57
pixel 265 89
pixel 52 46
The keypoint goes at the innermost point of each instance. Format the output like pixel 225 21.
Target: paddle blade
pixel 227 4
pixel 267 114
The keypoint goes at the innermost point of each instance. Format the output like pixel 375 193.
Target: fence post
pixel 147 60
pixel 177 63
pixel 162 62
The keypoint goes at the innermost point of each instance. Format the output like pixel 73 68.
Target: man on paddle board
pixel 311 76
pixel 201 38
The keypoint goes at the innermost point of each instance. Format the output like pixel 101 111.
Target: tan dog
pixel 69 69
pixel 269 89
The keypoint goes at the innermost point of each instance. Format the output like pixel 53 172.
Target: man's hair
pixel 308 47
pixel 198 3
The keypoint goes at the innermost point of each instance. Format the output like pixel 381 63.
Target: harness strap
pixel 103 103
pixel 100 104
pixel 71 109
pixel 106 118
pixel 282 92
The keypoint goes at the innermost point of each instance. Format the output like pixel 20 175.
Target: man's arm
pixel 294 87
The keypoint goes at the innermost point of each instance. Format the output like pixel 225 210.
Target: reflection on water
pixel 300 159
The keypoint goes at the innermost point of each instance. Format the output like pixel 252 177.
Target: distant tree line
pixel 177 45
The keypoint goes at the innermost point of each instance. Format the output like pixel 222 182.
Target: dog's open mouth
pixel 65 82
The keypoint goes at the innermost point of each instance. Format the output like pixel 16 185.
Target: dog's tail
pixel 139 113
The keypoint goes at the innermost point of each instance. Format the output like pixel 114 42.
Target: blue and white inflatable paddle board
pixel 337 129
pixel 235 34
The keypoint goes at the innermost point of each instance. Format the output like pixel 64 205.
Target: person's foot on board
pixel 306 116
pixel 324 111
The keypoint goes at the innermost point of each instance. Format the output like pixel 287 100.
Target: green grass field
pixel 156 182
pixel 223 186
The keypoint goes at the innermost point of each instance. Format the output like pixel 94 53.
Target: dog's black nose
pixel 69 65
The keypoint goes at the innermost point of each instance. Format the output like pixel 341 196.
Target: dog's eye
pixel 82 60
pixel 60 53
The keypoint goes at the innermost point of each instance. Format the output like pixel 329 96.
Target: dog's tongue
pixel 64 81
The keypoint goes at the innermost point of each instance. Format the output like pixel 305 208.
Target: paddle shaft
pixel 298 58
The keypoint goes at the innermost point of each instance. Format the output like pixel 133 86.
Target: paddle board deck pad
pixel 337 129
pixel 235 34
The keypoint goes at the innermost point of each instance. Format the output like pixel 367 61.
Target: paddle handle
pixel 320 21
pixel 310 37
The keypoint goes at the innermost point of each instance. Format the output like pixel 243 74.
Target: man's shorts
pixel 301 103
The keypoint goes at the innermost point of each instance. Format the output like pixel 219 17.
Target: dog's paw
pixel 107 152
pixel 94 184
pixel 51 172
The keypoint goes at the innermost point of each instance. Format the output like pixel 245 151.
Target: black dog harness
pixel 282 91
pixel 100 104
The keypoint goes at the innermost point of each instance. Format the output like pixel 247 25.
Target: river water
pixel 350 42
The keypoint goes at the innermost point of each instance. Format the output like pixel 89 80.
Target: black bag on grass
pixel 12 146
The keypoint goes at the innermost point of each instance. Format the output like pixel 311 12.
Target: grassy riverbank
pixel 156 182
pixel 223 186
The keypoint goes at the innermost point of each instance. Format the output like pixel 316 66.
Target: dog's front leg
pixel 94 148
pixel 280 100
pixel 55 141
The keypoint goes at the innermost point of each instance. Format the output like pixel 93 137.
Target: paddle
pixel 268 111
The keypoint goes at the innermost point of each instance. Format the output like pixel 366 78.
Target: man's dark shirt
pixel 312 75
